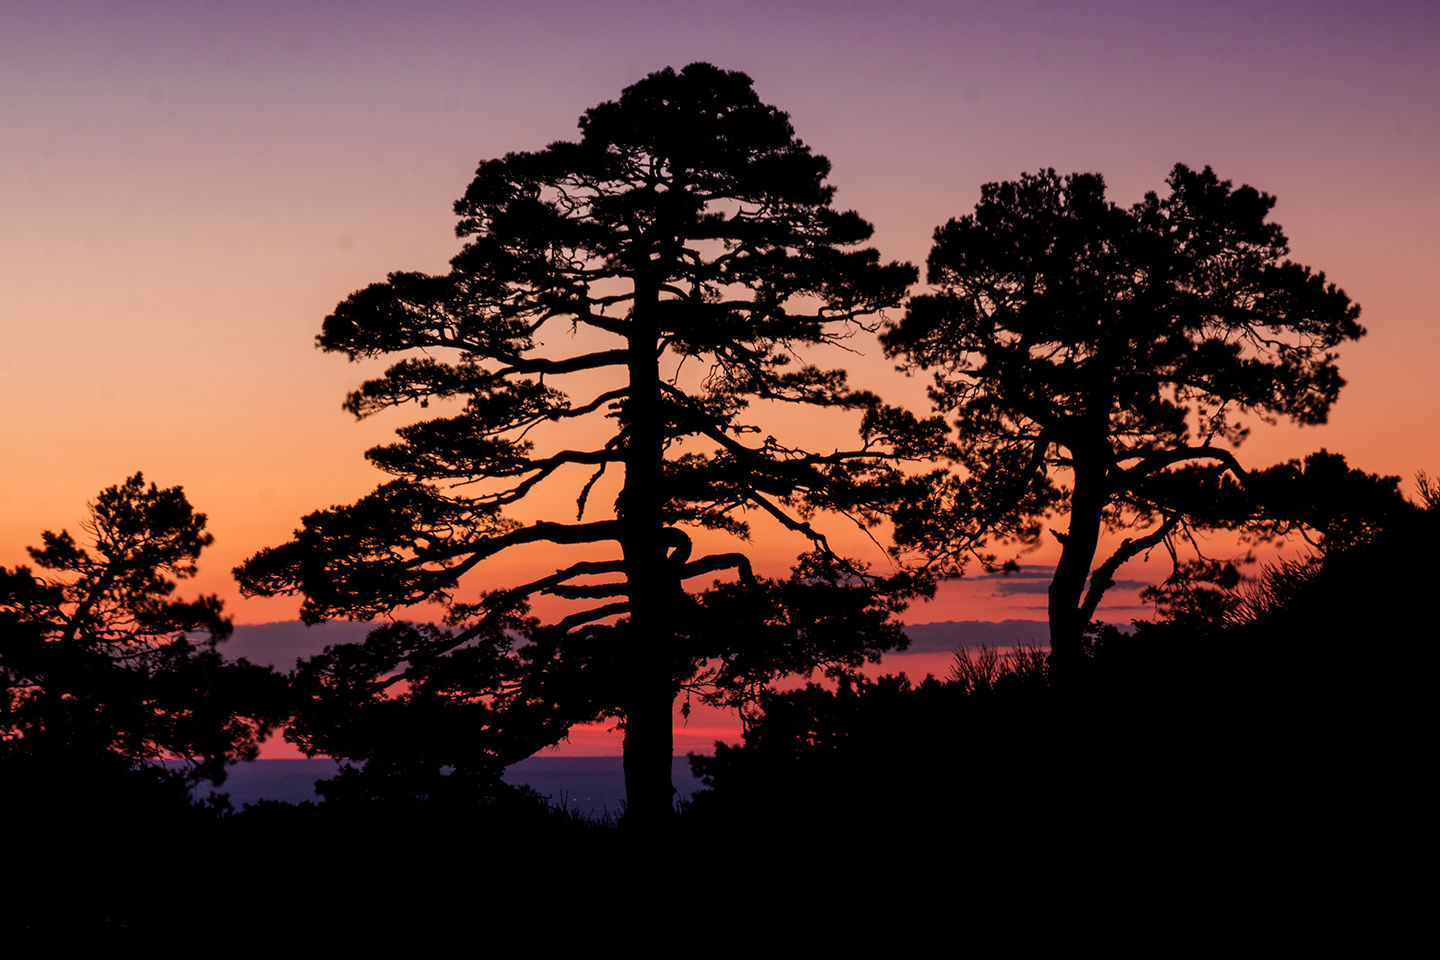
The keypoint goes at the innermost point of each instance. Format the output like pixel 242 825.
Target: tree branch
pixel 1102 578
pixel 586 361
pixel 1151 462
pixel 720 561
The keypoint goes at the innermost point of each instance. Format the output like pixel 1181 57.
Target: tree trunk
pixel 650 695
pixel 1077 552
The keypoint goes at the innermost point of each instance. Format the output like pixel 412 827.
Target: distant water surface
pixel 590 785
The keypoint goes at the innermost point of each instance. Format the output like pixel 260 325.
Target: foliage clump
pixel 105 671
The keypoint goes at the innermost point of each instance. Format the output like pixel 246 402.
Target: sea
pixel 592 786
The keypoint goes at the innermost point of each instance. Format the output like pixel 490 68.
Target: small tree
pixel 104 669
pixel 668 267
pixel 1126 351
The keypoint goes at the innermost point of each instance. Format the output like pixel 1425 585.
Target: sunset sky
pixel 188 189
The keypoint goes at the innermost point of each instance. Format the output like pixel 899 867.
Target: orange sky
pixel 189 188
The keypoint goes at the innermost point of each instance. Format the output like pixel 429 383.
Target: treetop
pixel 1174 314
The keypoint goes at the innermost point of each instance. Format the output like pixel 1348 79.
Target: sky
pixel 188 188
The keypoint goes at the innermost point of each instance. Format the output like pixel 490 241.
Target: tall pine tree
pixel 638 288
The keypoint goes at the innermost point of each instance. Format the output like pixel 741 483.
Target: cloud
pixel 1145 608
pixel 950 635
pixel 946 636
pixel 1026 572
pixel 281 644
pixel 1036 579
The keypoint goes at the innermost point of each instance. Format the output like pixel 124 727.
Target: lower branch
pixel 720 561
pixel 1103 578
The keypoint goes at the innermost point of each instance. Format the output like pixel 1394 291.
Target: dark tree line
pixel 1278 722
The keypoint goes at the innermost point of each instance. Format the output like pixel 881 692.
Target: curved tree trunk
pixel 1077 552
